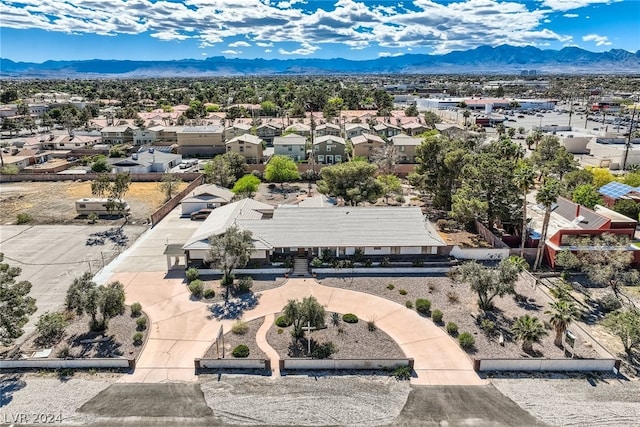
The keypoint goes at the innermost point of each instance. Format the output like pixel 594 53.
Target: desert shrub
pixel 92 217
pixel 441 224
pixel 423 306
pixel 390 286
pixel 316 262
pixel 371 325
pixel 323 351
pixel 488 326
pixel 137 338
pixel 136 309
pixel 431 287
pixel 466 340
pixel 283 322
pixel 368 262
pixel 453 297
pixel 209 293
pixel 385 262
pixel 402 373
pixel 452 328
pixel 64 352
pixel 196 288
pixel 141 323
pixel 50 326
pixel 23 218
pixel 609 303
pixel 240 351
pixel 400 198
pixel 408 304
pixel 417 263
pixel 240 328
pixel 192 274
pixel 402 291
pixel 436 316
pixel 245 283
pixel 280 331
pixel 350 318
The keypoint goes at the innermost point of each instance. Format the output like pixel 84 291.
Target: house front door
pixel 330 160
pixel 302 252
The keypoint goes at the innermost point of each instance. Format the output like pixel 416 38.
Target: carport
pixel 176 256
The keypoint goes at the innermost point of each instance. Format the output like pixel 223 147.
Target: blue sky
pixel 40 30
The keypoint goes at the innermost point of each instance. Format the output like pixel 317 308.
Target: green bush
pixel 350 318
pixel 323 351
pixel 436 316
pixel 402 373
pixel 240 328
pixel 23 218
pixel 452 328
pixel 466 340
pixel 245 283
pixel 137 338
pixel 408 304
pixel 136 309
pixel 402 291
pixel 92 217
pixel 240 351
pixel 283 322
pixel 316 262
pixel 141 323
pixel 209 293
pixel 423 306
pixel 609 303
pixel 50 326
pixel 488 326
pixel 390 286
pixel 192 274
pixel 64 352
pixel 196 288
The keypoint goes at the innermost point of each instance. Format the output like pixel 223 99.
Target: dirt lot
pixel 54 202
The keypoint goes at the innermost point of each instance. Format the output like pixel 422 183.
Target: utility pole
pixel 628 145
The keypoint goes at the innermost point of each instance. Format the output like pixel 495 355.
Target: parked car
pixel 201 214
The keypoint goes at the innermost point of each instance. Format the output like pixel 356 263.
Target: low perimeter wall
pixel 550 365
pixel 67 363
pixel 381 270
pixel 247 271
pixel 233 364
pixel 322 364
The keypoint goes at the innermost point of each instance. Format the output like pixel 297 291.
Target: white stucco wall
pixel 384 250
pixel 411 250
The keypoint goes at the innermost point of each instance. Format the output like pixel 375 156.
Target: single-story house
pixel 614 191
pixel 145 162
pixel 307 231
pixel 206 197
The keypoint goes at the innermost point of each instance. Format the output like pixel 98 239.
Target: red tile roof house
pixel 571 220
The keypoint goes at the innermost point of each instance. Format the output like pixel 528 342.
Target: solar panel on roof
pixel 615 190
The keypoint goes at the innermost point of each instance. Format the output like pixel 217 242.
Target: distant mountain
pixel 502 59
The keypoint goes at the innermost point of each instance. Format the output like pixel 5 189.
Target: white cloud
pixel 304 50
pixel 598 40
pixel 387 54
pixel 571 15
pixel 263 44
pixel 232 52
pixel 268 51
pixel 563 5
pixel 239 43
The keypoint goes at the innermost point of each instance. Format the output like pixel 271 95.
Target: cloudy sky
pixel 39 30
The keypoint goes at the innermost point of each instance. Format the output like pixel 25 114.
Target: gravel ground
pixel 261 284
pixel 355 342
pixel 32 394
pixel 439 289
pixel 306 400
pixel 232 340
pixel 576 400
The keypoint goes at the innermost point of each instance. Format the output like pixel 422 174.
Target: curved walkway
pixel 182 329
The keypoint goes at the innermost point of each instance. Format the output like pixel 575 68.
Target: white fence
pixel 233 363
pixel 484 254
pixel 105 363
pixel 322 364
pixel 550 365
pixel 381 270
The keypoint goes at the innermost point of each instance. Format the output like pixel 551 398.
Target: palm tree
pixel 562 312
pixel 524 179
pixel 546 196
pixel 529 330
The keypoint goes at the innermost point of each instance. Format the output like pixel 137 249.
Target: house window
pixel 321 158
pixel 241 149
pixel 82 206
pixel 290 148
pixel 402 148
pixel 328 148
pixel 338 158
pixel 377 248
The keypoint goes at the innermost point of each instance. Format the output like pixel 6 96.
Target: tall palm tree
pixel 529 330
pixel 546 196
pixel 562 312
pixel 524 179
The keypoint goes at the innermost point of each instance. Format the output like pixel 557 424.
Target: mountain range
pixel 504 59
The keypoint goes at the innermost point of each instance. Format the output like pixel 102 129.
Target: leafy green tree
pixel 302 313
pixel 601 176
pixel 574 179
pixel 50 327
pixel 229 251
pixel 391 184
pixel 632 179
pixel 247 185
pixel 100 165
pixel 547 196
pixel 626 326
pixel 352 181
pixel 169 185
pixel 628 208
pixel 411 111
pixel 15 303
pixel 268 108
pixel 488 282
pixel 100 187
pixel 524 179
pixel 551 158
pixel 431 118
pixel 529 330
pixel 562 313
pixel 85 296
pixel 468 206
pixel 281 169
pixel 587 195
